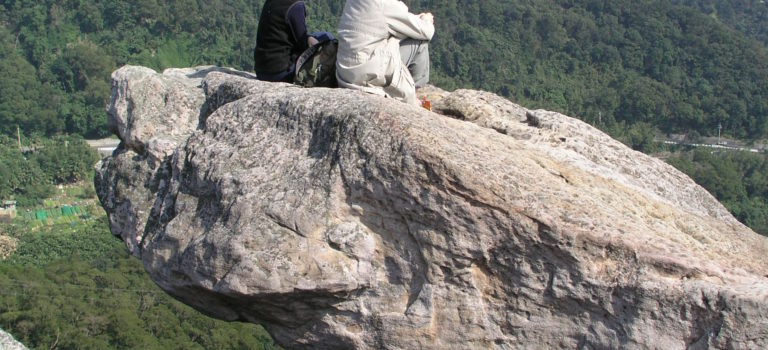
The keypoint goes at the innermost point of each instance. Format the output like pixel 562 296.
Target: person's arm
pixel 403 24
pixel 295 17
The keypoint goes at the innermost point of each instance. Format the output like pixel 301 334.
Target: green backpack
pixel 316 67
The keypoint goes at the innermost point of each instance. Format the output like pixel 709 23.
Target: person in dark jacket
pixel 281 38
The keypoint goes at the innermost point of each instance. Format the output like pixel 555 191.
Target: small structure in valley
pixel 8 210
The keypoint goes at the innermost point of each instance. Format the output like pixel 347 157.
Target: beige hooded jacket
pixel 369 47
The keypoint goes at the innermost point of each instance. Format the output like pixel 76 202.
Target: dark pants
pixel 285 76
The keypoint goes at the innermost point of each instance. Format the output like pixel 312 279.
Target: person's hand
pixel 311 41
pixel 427 16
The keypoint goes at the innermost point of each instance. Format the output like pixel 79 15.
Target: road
pixel 724 147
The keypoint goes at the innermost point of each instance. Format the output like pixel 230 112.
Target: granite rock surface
pixel 7 342
pixel 342 220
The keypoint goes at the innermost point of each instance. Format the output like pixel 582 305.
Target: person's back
pixel 361 29
pixel 370 37
pixel 281 38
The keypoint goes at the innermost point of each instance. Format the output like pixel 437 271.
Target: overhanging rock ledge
pixel 342 220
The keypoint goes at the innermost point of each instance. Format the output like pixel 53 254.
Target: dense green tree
pixel 20 178
pixel 745 16
pixel 29 177
pixel 74 287
pixel 65 159
pixel 641 137
pixel 21 94
pixel 721 173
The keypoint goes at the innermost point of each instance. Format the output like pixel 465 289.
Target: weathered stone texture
pixel 8 343
pixel 343 220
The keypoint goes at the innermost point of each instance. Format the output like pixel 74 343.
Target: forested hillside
pixel 70 285
pixel 739 180
pixel 629 67
pixel 746 16
pixel 672 67
pixel 621 64
pixel 58 55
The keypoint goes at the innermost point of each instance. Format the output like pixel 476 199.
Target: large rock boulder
pixel 341 220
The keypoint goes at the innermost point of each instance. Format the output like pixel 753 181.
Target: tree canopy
pixel 29 177
pixel 739 180
pixel 74 287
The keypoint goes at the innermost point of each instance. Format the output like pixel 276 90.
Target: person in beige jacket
pixel 383 48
